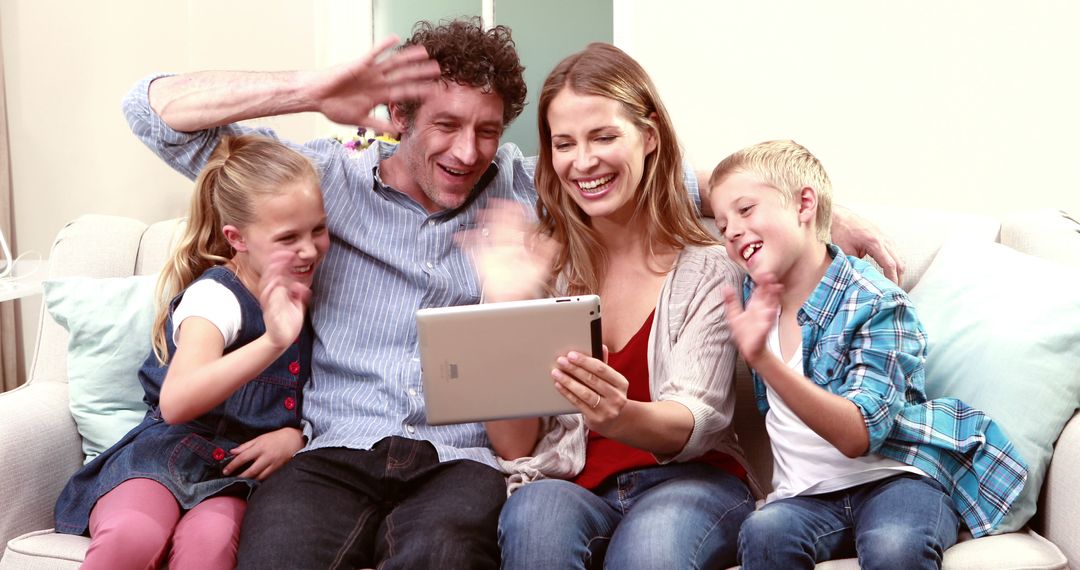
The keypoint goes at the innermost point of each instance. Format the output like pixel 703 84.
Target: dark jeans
pixel 394 506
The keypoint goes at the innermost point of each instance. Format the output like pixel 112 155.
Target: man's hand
pixel 348 93
pixel 512 259
pixel 265 454
pixel 860 238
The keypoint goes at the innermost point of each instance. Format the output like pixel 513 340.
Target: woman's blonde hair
pixel 240 170
pixel 662 204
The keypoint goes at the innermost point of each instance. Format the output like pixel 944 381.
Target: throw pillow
pixel 108 322
pixel 1004 337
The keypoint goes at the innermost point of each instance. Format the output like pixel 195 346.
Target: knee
pixel 898 547
pixel 128 539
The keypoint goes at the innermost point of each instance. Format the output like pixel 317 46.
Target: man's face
pixel 450 144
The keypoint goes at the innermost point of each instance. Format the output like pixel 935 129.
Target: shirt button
pixel 410 429
pixel 485 232
pixel 290 403
pixel 412 392
pixel 218 454
pixel 294 368
pixel 430 265
pixel 431 222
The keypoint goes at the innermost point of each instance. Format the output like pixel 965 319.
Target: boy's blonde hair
pixel 240 169
pixel 787 166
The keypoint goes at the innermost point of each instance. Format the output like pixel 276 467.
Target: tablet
pixel 493 361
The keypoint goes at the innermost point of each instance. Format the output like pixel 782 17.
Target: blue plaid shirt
pixel 862 340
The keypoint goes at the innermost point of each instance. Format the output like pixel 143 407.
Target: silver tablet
pixel 494 361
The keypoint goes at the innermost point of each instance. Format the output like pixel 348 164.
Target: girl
pixel 649 475
pixel 224 380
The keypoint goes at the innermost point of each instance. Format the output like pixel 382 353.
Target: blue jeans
pixel 683 515
pixel 393 506
pixel 905 521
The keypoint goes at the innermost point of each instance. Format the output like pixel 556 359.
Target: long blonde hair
pixel 239 170
pixel 662 204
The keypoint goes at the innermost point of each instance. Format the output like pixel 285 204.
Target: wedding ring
pixel 597 402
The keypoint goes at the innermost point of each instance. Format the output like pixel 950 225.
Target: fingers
pixel 586 378
pixel 732 303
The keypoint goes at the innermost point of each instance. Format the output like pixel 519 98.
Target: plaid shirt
pixel 862 340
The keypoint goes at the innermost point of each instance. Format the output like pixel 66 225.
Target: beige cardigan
pixel 691 361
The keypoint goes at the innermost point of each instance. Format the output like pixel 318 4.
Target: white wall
pixel 964 104
pixel 68 63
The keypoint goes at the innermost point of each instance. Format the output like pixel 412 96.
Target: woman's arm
pixel 513 439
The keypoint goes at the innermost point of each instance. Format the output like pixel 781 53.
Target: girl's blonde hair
pixel 240 170
pixel 662 204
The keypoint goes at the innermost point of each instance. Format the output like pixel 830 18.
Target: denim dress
pixel 188 458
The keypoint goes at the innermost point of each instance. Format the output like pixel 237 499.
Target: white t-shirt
pixel 804 463
pixel 212 301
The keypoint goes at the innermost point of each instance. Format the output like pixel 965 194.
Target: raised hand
pixel 348 93
pixel 597 390
pixel 283 299
pixel 262 455
pixel 513 261
pixel 750 326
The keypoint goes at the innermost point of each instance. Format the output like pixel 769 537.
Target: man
pixel 376 485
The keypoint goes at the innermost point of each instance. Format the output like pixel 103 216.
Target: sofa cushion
pixel 45 549
pixel 109 322
pixel 1003 337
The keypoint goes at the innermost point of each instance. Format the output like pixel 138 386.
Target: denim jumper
pixel 188 458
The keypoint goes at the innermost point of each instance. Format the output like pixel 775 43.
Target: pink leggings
pixel 131 527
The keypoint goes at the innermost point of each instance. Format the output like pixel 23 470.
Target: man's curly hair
pixel 470 56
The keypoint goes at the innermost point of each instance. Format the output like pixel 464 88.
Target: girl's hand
pixel 283 299
pixel 750 327
pixel 513 261
pixel 593 387
pixel 265 454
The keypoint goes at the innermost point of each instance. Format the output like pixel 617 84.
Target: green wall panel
pixel 545 32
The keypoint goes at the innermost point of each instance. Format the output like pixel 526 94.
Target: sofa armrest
pixel 40 449
pixel 1060 502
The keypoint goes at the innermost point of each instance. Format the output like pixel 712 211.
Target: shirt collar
pixel 824 302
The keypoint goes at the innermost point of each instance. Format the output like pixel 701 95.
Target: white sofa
pixel 40 448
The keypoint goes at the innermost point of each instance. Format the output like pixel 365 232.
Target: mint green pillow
pixel 1004 336
pixel 108 322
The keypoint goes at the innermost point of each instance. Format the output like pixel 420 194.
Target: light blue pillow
pixel 109 322
pixel 1004 336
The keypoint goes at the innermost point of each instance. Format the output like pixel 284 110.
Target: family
pixel 285 383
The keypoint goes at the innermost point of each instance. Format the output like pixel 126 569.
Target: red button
pixel 294 368
pixel 290 403
pixel 218 454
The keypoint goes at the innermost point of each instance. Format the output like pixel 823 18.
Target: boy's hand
pixel 750 327
pixel 283 299
pixel 265 454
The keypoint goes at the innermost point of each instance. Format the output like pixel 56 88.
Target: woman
pixel 649 474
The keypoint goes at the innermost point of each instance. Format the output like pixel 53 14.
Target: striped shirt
pixel 388 258
pixel 862 340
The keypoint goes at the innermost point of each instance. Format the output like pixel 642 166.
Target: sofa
pixel 40 446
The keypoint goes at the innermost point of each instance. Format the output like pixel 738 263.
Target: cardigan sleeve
pixel 692 358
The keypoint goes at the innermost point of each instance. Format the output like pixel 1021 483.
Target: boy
pixel 863 462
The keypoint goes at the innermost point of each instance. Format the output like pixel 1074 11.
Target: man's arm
pixel 345 93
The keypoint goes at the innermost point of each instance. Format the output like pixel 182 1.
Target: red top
pixel 606 457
